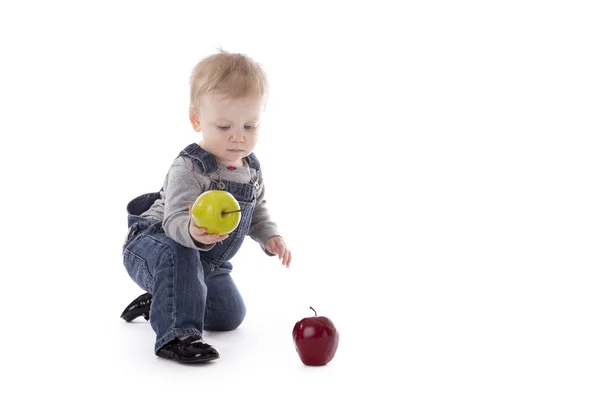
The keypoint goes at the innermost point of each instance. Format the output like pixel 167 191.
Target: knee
pixel 238 319
pixel 227 321
pixel 231 324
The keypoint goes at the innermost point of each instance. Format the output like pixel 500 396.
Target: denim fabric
pixel 192 290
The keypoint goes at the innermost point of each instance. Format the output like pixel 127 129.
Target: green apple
pixel 217 211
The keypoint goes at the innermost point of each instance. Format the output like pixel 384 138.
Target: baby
pixel 185 270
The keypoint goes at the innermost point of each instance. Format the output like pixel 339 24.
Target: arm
pixel 182 188
pixel 262 227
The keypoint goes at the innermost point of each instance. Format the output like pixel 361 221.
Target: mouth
pixel 235 150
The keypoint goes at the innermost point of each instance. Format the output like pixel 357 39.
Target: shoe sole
pixel 198 360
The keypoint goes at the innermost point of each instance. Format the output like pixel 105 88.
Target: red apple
pixel 316 339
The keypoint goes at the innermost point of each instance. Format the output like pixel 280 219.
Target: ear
pixel 194 119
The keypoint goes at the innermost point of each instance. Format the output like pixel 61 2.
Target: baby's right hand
pixel 200 235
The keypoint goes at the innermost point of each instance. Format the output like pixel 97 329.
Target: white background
pixel 432 165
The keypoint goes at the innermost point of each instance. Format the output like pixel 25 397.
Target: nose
pixel 236 137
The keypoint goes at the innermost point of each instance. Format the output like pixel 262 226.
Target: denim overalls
pixel 192 290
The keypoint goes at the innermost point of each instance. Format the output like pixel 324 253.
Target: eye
pixel 222 128
pixel 249 127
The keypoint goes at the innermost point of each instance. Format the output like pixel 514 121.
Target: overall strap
pixel 207 162
pixel 201 157
pixel 253 161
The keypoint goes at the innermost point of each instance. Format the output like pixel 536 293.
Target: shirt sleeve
pixel 182 188
pixel 262 227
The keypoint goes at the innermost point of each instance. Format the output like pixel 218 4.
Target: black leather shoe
pixel 140 307
pixel 185 351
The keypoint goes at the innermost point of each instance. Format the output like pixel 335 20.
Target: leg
pixel 225 308
pixel 173 274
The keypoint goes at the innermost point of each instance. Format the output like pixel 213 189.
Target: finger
pixel 277 248
pixel 282 250
pixel 286 258
pixel 198 231
pixel 207 238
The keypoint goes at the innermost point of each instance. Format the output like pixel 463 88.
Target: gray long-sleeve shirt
pixel 182 186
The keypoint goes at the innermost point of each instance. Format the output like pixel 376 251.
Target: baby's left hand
pixel 276 245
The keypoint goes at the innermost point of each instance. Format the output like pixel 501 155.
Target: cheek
pixel 214 136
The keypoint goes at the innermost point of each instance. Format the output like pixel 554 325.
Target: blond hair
pixel 233 74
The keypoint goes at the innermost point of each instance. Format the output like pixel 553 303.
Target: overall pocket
pixel 137 268
pixel 245 221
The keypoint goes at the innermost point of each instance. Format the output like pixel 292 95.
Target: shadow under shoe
pixel 140 307
pixel 192 349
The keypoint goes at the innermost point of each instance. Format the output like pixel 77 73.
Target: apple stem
pixel 314 311
pixel 229 212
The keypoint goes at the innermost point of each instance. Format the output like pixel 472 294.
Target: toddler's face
pixel 229 127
